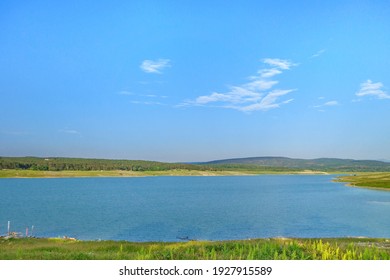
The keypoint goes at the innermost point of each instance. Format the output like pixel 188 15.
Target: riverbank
pixel 372 180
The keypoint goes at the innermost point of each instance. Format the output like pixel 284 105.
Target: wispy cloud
pixel 155 66
pixel 125 92
pixel 368 88
pixel 319 53
pixel 69 131
pixel 279 63
pixel 328 104
pixel 256 95
pixel 146 102
pixel 144 99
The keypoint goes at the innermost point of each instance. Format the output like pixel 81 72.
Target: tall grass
pixel 266 249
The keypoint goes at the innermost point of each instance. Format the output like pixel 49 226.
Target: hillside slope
pixel 323 164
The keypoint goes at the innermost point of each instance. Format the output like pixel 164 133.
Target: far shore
pixel 16 173
pixel 369 180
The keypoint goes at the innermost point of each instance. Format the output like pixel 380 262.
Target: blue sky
pixel 195 80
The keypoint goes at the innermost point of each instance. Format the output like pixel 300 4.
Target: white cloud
pixel 331 103
pixel 268 101
pixel 155 66
pixel 255 95
pixel 259 84
pixel 279 63
pixel 368 88
pixel 328 104
pixel 317 54
pixel 268 73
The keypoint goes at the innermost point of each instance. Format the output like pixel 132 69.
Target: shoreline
pixel 354 180
pixel 14 173
pixel 351 185
pixel 370 180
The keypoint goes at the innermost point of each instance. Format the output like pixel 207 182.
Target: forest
pixel 60 164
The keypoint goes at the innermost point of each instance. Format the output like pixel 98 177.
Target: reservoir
pixel 199 208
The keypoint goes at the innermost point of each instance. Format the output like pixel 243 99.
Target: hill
pixel 321 164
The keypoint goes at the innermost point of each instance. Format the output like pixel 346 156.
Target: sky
pixel 195 81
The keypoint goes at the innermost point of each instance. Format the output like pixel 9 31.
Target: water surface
pixel 206 208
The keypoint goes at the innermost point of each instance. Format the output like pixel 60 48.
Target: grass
pixel 378 180
pixel 267 249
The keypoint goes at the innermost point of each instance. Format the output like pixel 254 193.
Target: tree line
pixel 81 164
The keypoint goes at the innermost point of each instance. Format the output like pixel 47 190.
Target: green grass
pixel 379 180
pixel 267 249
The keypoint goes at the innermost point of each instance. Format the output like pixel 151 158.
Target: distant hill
pixel 321 164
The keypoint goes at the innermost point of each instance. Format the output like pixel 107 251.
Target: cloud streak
pixel 143 99
pixel 69 131
pixel 319 53
pixel 155 66
pixel 368 88
pixel 256 95
pixel 328 104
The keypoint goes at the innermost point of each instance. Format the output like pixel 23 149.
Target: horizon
pixel 182 81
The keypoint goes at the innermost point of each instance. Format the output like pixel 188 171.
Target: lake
pixel 201 208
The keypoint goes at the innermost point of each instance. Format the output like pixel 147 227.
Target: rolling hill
pixel 321 164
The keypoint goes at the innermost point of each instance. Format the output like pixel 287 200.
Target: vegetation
pixel 380 180
pixel 320 164
pixel 75 167
pixel 268 249
pixel 80 164
pixel 253 168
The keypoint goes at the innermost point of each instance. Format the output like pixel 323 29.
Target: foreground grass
pixel 378 180
pixel 269 249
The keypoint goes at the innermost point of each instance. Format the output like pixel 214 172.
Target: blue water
pixel 202 208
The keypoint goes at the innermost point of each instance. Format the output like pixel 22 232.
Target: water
pixel 202 208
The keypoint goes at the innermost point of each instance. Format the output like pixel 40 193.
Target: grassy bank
pixel 268 249
pixel 376 180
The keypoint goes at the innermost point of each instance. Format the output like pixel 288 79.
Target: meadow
pixel 256 249
pixel 377 180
